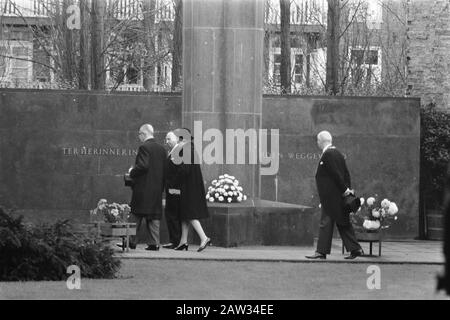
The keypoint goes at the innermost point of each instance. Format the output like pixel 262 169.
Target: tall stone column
pixel 222 78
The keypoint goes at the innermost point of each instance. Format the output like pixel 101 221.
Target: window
pixel 357 57
pixel 368 11
pixel 3 60
pixel 302 11
pixel 16 64
pixel 372 57
pixel 132 75
pixel 19 67
pixel 366 64
pixel 165 11
pixel 276 69
pixel 367 57
pixel 298 68
pixel 164 73
pixel 41 70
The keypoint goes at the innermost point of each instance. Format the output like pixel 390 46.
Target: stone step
pixel 435 225
pixel 435 234
pixel 435 221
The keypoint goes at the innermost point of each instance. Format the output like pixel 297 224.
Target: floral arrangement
pixel 111 212
pixel 373 216
pixel 226 189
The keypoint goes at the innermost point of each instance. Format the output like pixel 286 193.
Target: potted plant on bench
pixel 372 218
pixel 110 219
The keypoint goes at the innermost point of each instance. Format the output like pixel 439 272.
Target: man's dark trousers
pixel 151 228
pixel 172 217
pixel 326 235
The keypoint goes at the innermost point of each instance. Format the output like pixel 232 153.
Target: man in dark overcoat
pixel 148 176
pixel 333 184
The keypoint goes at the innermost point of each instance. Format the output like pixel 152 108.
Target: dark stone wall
pixel 45 172
pixel 379 136
pixel 61 151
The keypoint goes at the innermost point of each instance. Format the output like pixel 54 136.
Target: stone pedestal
pixel 259 222
pixel 251 222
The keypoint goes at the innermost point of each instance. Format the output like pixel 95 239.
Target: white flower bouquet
pixel 226 189
pixel 111 212
pixel 373 216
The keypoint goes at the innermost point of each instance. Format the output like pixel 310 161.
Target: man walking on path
pixel 333 184
pixel 148 185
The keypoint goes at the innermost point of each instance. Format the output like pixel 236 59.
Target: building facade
pixel 371 46
pixel 428 53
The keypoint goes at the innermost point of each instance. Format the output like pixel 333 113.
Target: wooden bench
pixel 121 230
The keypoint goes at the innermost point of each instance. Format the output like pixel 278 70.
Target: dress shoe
pixel 152 247
pixel 169 246
pixel 204 245
pixel 123 247
pixel 354 254
pixel 182 247
pixel 317 255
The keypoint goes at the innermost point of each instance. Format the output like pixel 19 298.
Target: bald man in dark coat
pixel 333 183
pixel 148 176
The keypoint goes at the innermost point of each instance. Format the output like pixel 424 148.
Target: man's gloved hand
pixel 348 191
pixel 174 191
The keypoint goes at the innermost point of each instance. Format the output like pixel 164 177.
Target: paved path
pixel 399 252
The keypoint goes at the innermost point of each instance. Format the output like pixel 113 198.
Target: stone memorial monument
pixel 222 91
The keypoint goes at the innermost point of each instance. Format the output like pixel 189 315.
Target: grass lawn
pixel 180 279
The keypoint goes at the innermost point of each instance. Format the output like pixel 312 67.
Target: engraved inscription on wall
pixel 98 151
pixel 127 152
pixel 311 156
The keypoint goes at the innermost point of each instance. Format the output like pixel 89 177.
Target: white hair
pixel 171 133
pixel 325 136
pixel 148 129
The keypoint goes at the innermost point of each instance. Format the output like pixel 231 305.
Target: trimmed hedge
pixel 44 252
pixel 434 153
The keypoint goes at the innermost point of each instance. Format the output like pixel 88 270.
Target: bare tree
pixel 149 12
pixel 98 12
pixel 113 43
pixel 354 68
pixel 177 44
pixel 333 37
pixel 373 55
pixel 285 40
pixel 83 77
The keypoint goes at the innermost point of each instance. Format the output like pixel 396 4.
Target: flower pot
pixel 368 235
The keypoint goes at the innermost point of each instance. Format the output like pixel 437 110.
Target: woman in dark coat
pixel 193 196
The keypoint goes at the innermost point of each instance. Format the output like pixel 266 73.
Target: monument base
pixel 259 222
